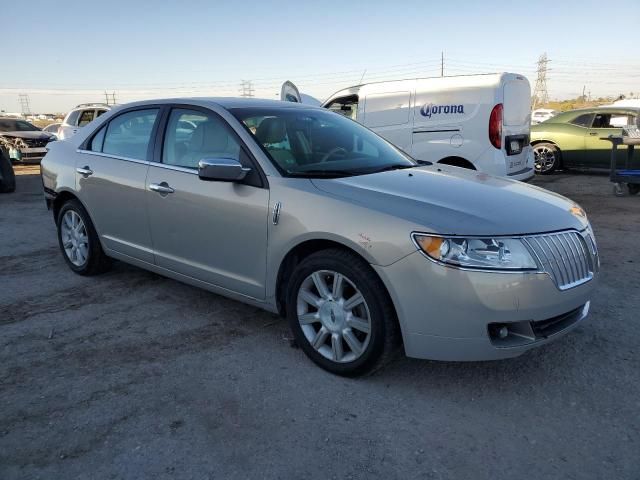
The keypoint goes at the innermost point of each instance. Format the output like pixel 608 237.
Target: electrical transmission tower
pixel 246 88
pixel 540 93
pixel 23 99
pixel 112 100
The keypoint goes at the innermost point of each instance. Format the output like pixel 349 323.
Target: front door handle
pixel 593 134
pixel 85 171
pixel 162 188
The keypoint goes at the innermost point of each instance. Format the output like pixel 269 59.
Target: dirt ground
pixel 131 375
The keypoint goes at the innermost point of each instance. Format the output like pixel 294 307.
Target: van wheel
pixel 79 241
pixel 546 158
pixel 340 314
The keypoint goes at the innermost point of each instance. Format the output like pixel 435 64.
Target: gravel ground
pixel 131 375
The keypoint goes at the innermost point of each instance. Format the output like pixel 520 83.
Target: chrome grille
pixel 565 256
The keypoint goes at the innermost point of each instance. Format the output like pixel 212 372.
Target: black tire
pixel 7 175
pixel 552 158
pixel 96 261
pixel 384 336
pixel 634 188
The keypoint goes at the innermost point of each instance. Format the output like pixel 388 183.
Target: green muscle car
pixel 574 139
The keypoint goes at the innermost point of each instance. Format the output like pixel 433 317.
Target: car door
pixel 597 150
pixel 111 171
pixel 212 231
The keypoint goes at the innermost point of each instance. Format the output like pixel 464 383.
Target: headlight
pixel 481 253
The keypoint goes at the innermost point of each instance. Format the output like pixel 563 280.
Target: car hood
pixel 38 135
pixel 455 201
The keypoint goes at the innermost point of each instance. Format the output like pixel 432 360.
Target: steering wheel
pixel 332 152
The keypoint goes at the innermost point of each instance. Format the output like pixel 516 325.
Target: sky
pixel 65 53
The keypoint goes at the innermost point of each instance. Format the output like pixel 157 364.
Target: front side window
pixel 128 134
pixel 193 135
pixel 85 117
pixel 315 142
pixel 347 106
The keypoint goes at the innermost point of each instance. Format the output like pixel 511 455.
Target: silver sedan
pixel 306 213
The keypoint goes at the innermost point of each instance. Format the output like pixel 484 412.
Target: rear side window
pixel 128 135
pixel 72 118
pixel 583 120
pixel 97 140
pixel 85 117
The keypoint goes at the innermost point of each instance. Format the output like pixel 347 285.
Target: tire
pixel 634 188
pixel 353 338
pixel 547 158
pixel 7 175
pixel 76 232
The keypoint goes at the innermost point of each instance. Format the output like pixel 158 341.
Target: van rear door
pixel 290 93
pixel 516 123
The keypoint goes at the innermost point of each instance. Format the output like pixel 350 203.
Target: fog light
pixel 503 332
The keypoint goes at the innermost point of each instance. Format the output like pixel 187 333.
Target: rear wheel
pixel 340 313
pixel 7 175
pixel 546 158
pixel 79 241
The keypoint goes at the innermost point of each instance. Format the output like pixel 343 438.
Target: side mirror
pixel 221 170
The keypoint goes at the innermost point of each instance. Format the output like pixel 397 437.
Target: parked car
pixel 301 211
pixel 22 141
pixel 542 114
pixel 79 117
pixel 7 175
pixel 479 122
pixel 52 128
pixel 575 138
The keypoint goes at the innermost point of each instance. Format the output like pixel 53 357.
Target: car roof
pixel 224 102
pixel 611 108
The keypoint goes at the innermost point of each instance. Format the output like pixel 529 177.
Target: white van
pixel 473 121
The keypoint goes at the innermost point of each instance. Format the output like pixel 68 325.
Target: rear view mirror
pixel 222 170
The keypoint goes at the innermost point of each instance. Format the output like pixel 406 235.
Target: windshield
pixel 11 125
pixel 317 143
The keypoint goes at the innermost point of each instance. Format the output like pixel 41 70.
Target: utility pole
pixel 583 90
pixel 540 94
pixel 442 63
pixel 23 99
pixel 246 88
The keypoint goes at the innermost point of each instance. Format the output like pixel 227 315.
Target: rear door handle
pixel 162 188
pixel 84 171
pixel 593 134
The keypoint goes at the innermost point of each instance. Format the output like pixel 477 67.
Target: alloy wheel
pixel 544 158
pixel 334 316
pixel 75 240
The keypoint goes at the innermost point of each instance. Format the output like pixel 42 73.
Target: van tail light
pixel 495 126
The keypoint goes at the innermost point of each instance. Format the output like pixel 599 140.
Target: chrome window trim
pixel 117 157
pixel 142 162
pixel 192 171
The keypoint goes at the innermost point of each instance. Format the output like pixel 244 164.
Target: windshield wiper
pixel 397 166
pixel 321 173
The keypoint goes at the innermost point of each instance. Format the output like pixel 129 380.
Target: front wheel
pixel 79 241
pixel 634 188
pixel 546 158
pixel 340 313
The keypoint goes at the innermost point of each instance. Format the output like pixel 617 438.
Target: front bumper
pixel 452 314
